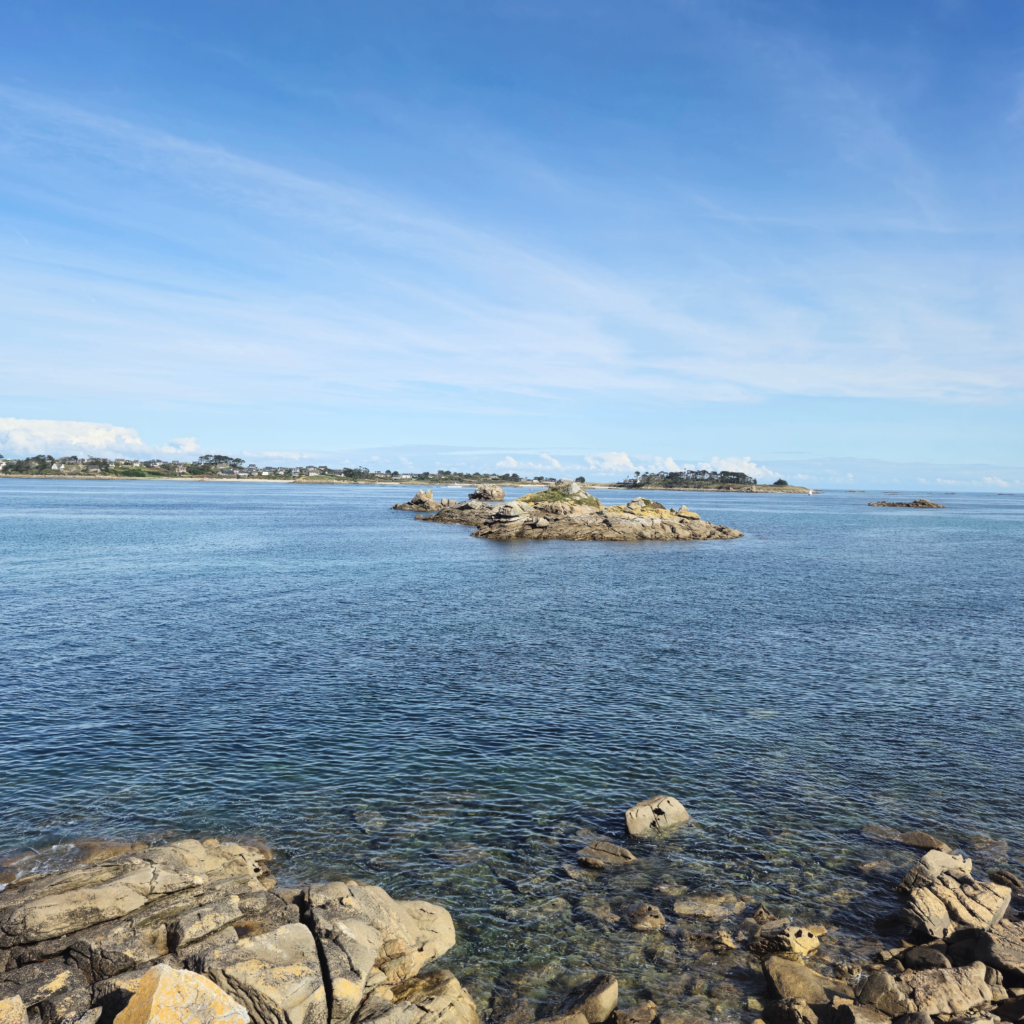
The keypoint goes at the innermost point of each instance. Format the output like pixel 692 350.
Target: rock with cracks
pixel 655 815
pixel 81 946
pixel 169 996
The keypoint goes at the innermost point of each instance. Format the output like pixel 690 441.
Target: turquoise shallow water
pixel 392 700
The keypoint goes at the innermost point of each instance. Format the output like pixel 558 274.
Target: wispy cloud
pixel 23 437
pixel 265 276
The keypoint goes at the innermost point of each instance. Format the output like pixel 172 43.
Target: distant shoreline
pixel 508 485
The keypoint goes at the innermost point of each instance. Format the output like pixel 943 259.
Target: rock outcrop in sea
pixel 567 512
pixel 918 503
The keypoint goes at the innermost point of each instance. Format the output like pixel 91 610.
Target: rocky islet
pixel 566 512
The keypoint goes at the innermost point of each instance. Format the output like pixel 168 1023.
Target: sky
pixel 518 235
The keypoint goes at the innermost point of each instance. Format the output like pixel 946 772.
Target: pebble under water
pixel 450 718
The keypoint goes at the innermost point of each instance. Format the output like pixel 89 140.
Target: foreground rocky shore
pixel 565 512
pixel 201 932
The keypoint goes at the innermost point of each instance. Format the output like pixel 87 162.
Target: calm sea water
pixel 381 698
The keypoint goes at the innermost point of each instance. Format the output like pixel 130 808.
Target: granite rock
pixel 947 990
pixel 601 854
pixel 644 917
pixel 597 1000
pixel 275 976
pixel 1003 948
pixel 168 996
pixel 655 815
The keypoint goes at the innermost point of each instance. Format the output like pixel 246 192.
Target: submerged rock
pixel 596 1000
pixel 923 841
pixel 645 917
pixel 602 854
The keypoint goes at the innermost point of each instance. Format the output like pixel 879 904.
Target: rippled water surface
pixel 391 700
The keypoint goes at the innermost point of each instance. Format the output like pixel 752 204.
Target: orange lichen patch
pixel 167 996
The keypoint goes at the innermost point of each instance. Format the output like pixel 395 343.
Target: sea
pixel 385 699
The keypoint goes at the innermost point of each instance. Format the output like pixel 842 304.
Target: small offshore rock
pixel 488 492
pixel 421 501
pixel 602 854
pixel 655 815
pixel 705 908
pixel 645 917
pixel 167 996
pixel 917 503
pixel 596 1000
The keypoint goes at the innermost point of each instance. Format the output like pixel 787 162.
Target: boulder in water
pixel 655 815
pixel 488 492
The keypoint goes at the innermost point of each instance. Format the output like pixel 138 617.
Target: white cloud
pixel 19 437
pixel 546 462
pixel 611 462
pixel 735 464
pixel 381 290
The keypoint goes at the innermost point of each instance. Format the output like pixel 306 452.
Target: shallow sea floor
pixel 391 700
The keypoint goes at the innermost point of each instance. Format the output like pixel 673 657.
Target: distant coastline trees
pixel 686 478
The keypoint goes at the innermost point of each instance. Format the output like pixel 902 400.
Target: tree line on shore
pixel 213 465
pixel 692 478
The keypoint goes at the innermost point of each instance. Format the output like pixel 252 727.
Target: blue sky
pixel 723 233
